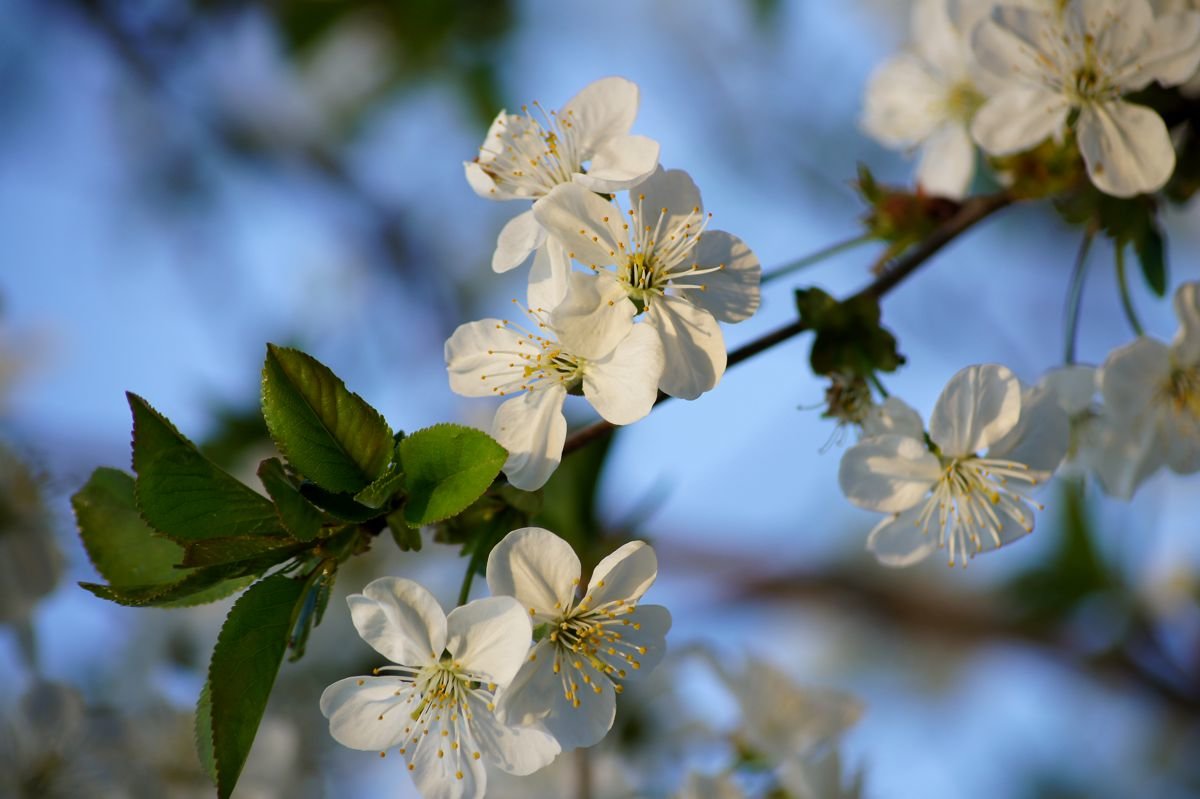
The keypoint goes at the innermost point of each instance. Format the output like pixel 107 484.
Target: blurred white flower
pixel 586 647
pixel 948 495
pixel 596 349
pixel 685 278
pixel 1084 59
pixel 526 155
pixel 436 705
pixel 703 786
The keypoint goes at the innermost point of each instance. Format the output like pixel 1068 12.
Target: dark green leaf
pixel 407 538
pixel 243 668
pixel 261 548
pixel 312 609
pixel 448 467
pixel 381 491
pixel 203 732
pixel 329 434
pixel 342 506
pixel 184 495
pixel 298 516
pixel 1150 253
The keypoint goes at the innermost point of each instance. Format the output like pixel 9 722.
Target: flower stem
pixel 1075 296
pixel 1123 285
pixel 816 257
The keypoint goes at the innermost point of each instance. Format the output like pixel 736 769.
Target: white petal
pixel 898 541
pixel 1186 346
pixel 732 294
pixel 586 724
pixel 435 766
pixel 888 473
pixel 594 316
pixel 977 407
pixel 602 110
pixel 626 573
pixel 1126 147
pixel 1019 118
pixel 521 236
pixel 1124 454
pixel 537 567
pixel 1132 376
pixel 400 619
pixel 936 38
pixel 354 705
pixel 1041 436
pixel 693 347
pixel 490 637
pixel 584 223
pixel 903 102
pixel 1119 30
pixel 482 182
pixel 672 190
pixel 947 162
pixel 476 353
pixel 1173 54
pixel 1020 44
pixel 648 628
pixel 535 692
pixel 894 416
pixel 623 386
pixel 516 750
pixel 619 164
pixel 548 276
pixel 1181 440
pixel 1073 386
pixel 533 430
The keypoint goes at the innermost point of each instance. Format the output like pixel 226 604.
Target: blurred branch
pixel 971 211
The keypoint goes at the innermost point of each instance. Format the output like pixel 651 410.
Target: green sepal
pixel 327 433
pixel 183 494
pixel 341 506
pixel 311 609
pixel 408 539
pixel 298 516
pixel 849 337
pixel 242 671
pixel 447 467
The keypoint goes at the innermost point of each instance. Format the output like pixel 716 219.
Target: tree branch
pixel 971 211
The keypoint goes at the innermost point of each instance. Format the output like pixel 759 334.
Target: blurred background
pixel 182 181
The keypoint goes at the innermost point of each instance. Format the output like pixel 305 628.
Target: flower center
pixel 962 101
pixel 589 645
pixel 973 501
pixel 535 153
pixel 660 252
pixel 1182 391
pixel 536 362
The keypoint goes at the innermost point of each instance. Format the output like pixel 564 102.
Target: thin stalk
pixel 1123 285
pixel 1075 296
pixel 816 257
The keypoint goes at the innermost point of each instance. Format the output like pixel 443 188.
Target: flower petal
pixel 516 750
pixel 1041 436
pixel 894 416
pixel 400 619
pixel 898 540
pixel 602 110
pixel 1117 30
pixel 476 353
pixel 1131 377
pixel 646 632
pixel 585 224
pixel 1173 54
pixel 1073 386
pixel 1181 441
pixel 594 316
pixel 947 162
pixel 625 574
pixel 977 407
pixel 1185 348
pixel 669 190
pixel 731 294
pixel 436 768
pixel 1019 44
pixel 1124 453
pixel 548 276
pixel 490 637
pixel 533 430
pixel 623 386
pixel 519 237
pixel 693 347
pixel 1126 147
pixel 888 473
pixel 901 102
pixel 538 568
pixel 1018 118
pixel 620 163
pixel 354 705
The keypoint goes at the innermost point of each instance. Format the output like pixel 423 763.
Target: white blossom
pixel 948 494
pixel 587 141
pixel 436 705
pixel 1084 59
pixel 588 343
pixel 587 646
pixel 684 277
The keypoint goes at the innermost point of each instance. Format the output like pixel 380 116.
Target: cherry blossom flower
pixel 436 705
pixel 927 98
pixel 684 277
pixel 1152 391
pixel 587 141
pixel 942 492
pixel 588 344
pixel 586 647
pixel 1083 60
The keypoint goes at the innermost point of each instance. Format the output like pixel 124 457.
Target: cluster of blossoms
pixel 510 680
pixel 642 314
pixel 1007 75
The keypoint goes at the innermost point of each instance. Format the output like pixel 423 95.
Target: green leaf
pixel 184 495
pixel 235 549
pixel 342 506
pixel 849 338
pixel 311 610
pixel 299 516
pixel 243 668
pixel 381 491
pixel 1150 252
pixel 448 467
pixel 197 587
pixel 406 538
pixel 203 733
pixel 329 434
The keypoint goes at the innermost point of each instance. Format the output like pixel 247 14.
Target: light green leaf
pixel 386 486
pixel 448 467
pixel 243 668
pixel 299 516
pixel 329 434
